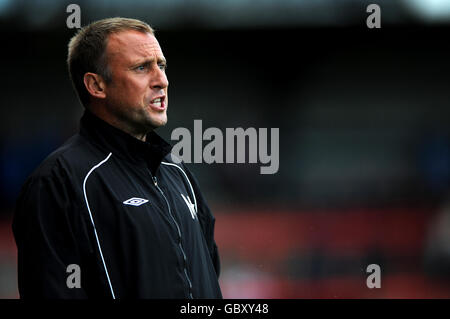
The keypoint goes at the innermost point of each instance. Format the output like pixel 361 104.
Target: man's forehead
pixel 145 47
pixel 136 43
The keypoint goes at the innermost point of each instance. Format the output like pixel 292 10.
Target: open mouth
pixel 158 102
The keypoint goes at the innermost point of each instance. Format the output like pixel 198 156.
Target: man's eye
pixel 162 66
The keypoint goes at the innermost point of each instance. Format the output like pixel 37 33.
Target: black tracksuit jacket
pixel 133 220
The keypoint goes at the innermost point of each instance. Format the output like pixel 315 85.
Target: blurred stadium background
pixel 364 120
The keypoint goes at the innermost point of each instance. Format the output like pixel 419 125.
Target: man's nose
pixel 159 79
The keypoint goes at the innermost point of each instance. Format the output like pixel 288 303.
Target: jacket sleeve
pixel 207 221
pixel 46 239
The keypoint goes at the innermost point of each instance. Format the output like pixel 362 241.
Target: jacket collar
pixel 114 140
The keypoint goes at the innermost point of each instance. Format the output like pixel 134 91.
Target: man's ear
pixel 95 85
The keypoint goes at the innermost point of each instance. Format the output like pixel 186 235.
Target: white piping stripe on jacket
pixel 92 220
pixel 192 190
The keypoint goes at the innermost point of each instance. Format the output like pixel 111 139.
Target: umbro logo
pixel 189 204
pixel 135 201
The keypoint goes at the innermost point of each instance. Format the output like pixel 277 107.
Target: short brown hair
pixel 87 50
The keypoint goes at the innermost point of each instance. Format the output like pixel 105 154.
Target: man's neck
pixel 113 121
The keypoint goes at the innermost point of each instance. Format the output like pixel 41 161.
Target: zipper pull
pixel 155 181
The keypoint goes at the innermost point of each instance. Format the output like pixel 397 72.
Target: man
pixel 110 214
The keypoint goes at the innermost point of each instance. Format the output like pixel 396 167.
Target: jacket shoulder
pixel 72 158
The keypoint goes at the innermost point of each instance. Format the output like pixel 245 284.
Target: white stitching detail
pixel 92 220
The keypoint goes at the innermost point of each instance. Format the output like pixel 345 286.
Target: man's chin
pixel 156 123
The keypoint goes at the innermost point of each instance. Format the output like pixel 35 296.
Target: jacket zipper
pixel 155 182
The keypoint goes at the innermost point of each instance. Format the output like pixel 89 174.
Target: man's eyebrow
pixel 149 60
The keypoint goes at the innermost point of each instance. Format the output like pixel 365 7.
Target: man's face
pixel 136 98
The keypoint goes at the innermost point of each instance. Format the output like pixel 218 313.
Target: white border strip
pixel 92 220
pixel 192 190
